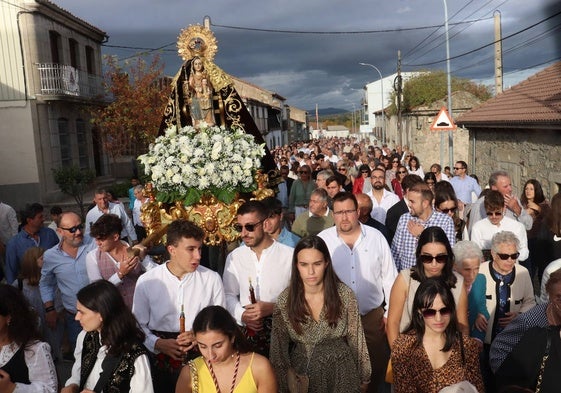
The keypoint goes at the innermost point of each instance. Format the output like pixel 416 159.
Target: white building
pixel 377 97
pixel 50 75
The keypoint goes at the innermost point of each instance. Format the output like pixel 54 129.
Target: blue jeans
pixel 73 328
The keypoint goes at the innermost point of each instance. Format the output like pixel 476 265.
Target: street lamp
pixel 449 83
pixel 382 95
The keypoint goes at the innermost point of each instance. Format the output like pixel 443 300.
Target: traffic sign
pixel 443 122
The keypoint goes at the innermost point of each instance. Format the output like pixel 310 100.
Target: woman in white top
pixel 26 364
pixel 109 352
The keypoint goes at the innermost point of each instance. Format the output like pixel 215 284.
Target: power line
pixel 340 32
pixel 487 45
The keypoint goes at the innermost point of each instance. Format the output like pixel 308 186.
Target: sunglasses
pixel 342 169
pixel 494 214
pixel 303 172
pixel 425 258
pixel 431 312
pixel 395 162
pixel 74 229
pixel 457 168
pixel 504 257
pixel 402 172
pixel 363 171
pixel 248 227
pixel 446 211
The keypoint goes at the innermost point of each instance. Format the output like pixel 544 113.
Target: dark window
pixel 90 60
pixel 64 140
pixel 55 40
pixel 74 53
pixel 82 140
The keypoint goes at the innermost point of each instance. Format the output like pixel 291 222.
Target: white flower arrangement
pixel 186 163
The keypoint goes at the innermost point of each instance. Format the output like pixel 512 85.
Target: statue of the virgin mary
pixel 202 92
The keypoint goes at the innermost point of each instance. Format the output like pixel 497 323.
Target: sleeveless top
pixel 108 267
pixel 17 368
pixel 201 379
pixel 413 285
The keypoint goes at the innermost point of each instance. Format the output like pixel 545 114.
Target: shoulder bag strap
pixel 544 361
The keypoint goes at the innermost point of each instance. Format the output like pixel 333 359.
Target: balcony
pixel 60 79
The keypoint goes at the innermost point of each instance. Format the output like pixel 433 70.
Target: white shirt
pixel 158 297
pixel 42 373
pixel 141 380
pixel 136 220
pixel 368 268
pixel 379 210
pixel 94 273
pixel 269 276
pixel 114 208
pixel 483 231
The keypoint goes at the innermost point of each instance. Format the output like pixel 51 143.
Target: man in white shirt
pixel 178 288
pixel 382 199
pixel 139 200
pixel 262 264
pixel 362 259
pixel 103 206
pixel 483 230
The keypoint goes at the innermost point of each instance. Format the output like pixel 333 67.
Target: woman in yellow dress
pixel 226 364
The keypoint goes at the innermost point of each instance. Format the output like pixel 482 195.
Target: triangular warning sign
pixel 443 122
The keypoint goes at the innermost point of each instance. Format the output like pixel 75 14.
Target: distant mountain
pixel 326 111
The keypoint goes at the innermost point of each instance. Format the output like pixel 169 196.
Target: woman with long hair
pixel 227 364
pixel 396 183
pixel 317 329
pixel 414 167
pixel 26 364
pixel 109 353
pixel 445 201
pixel 28 284
pixel 433 353
pixel 434 259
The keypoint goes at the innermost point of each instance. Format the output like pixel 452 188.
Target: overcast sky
pixel 323 69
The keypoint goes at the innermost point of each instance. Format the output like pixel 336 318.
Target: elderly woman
pixel 517 352
pixel 509 287
pixel 468 259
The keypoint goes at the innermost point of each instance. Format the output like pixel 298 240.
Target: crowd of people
pixel 361 274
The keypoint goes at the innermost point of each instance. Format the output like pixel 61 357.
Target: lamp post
pixel 449 83
pixel 382 96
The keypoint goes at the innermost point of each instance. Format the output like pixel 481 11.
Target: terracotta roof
pixel 535 101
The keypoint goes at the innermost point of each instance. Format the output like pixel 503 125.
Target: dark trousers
pixel 378 347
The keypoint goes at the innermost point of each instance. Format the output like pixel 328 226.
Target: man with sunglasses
pixel 64 267
pixel 509 291
pixel 483 230
pixel 500 181
pixel 362 259
pixel 255 274
pixel 464 185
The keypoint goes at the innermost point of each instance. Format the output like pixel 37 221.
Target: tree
pixel 432 86
pixel 132 119
pixel 74 181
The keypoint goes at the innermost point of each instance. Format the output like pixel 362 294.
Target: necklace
pixel 233 379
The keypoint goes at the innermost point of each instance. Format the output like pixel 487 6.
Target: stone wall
pixel 524 153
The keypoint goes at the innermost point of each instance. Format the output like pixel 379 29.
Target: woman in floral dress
pixel 317 329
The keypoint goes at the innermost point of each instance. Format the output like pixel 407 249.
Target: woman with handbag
pixel 227 364
pixel 433 353
pixel 110 356
pixel 317 342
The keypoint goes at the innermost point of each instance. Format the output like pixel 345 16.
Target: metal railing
pixel 60 79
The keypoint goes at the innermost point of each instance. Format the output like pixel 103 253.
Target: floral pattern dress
pixel 335 358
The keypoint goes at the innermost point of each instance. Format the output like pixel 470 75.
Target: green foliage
pixel 120 190
pixel 74 181
pixel 432 86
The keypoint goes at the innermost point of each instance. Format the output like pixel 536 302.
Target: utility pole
pixel 498 54
pixel 397 87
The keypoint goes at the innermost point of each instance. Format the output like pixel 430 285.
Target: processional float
pixel 209 157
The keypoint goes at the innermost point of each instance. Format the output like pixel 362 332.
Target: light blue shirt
pixel 464 187
pixel 68 273
pixel 288 238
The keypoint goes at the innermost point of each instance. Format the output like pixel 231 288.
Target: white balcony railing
pixel 60 79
